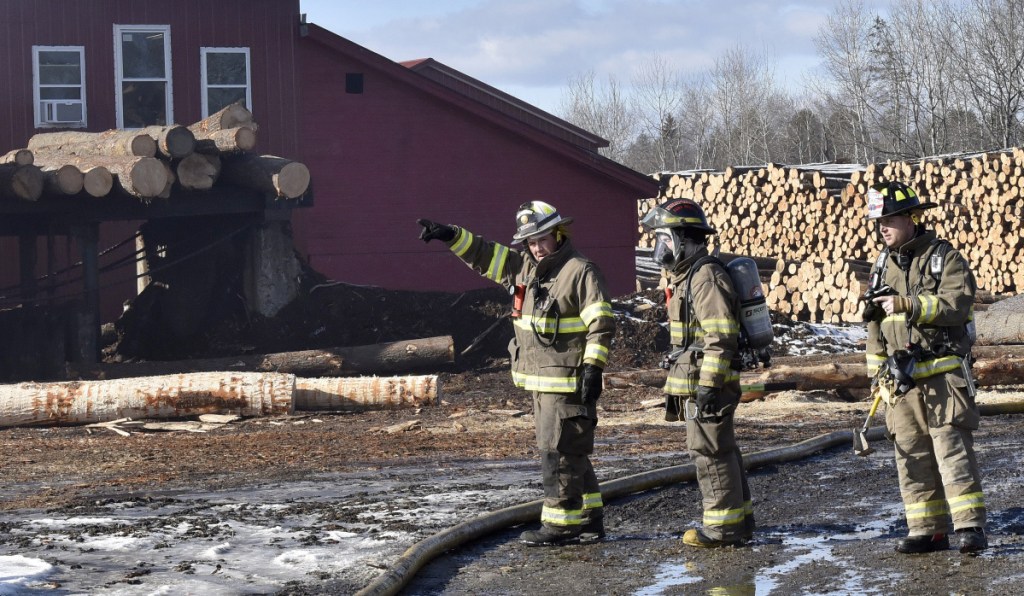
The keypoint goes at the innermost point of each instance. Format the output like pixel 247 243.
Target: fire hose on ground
pixel 416 556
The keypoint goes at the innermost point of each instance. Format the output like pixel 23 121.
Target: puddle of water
pixel 670 575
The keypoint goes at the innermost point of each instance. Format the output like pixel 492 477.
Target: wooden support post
pixel 88 323
pixel 28 256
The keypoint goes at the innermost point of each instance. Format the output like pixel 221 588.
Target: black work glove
pixel 435 231
pixel 590 389
pixel 871 310
pixel 707 401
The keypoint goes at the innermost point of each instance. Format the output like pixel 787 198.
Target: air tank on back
pixel 754 319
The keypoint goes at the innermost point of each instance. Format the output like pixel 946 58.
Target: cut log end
pixel 179 142
pixel 292 181
pixel 143 146
pixel 97 182
pixel 66 179
pixel 148 177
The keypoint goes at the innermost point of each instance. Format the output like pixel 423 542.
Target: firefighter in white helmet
pixel 563 324
pixel 919 310
pixel 703 385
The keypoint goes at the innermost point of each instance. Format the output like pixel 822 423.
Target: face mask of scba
pixel 664 248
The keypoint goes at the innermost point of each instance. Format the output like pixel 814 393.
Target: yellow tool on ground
pixel 860 437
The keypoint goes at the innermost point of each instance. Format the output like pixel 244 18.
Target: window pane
pixel 67 112
pixel 144 103
pixel 225 68
pixel 142 55
pixel 218 98
pixel 60 68
pixel 60 93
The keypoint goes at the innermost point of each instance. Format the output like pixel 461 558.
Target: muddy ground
pixel 826 524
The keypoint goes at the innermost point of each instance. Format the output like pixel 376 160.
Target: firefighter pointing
pixel 563 330
pixel 919 315
pixel 703 385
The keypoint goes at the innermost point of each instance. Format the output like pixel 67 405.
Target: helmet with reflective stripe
pixel 537 218
pixel 894 198
pixel 677 213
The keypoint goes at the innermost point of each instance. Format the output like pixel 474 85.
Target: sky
pixel 532 48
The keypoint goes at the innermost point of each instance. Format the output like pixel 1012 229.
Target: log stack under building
pixel 149 163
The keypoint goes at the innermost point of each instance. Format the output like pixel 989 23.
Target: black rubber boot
pixel 593 530
pixel 552 536
pixel 915 545
pixel 972 540
pixel 748 527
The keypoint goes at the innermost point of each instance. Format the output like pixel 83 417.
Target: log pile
pixel 150 163
pixel 810 220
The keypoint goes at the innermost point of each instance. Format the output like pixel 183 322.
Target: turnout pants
pixel 940 483
pixel 565 438
pixel 728 509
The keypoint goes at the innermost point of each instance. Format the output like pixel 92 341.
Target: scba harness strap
pixel 936 264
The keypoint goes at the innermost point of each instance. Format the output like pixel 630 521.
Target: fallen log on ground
pixel 376 359
pixel 366 393
pixel 107 403
pixel 994 365
pixel 174 396
pixel 999 327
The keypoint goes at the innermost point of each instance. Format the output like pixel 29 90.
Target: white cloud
pixel 541 44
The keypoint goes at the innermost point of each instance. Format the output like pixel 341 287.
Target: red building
pixel 386 143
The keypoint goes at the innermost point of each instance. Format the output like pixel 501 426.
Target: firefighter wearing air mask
pixel 563 322
pixel 703 385
pixel 918 311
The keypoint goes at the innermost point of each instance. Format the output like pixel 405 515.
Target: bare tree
pixel 844 44
pixel 696 123
pixel 602 110
pixel 746 107
pixel 989 43
pixel 656 101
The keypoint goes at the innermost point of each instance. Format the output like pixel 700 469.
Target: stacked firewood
pixel 149 163
pixel 811 220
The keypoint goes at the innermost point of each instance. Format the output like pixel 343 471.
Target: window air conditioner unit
pixel 64 111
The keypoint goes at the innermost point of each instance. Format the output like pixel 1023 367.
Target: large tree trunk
pixel 366 393
pixel 124 143
pixel 22 157
pixel 66 180
pixel 198 171
pixel 98 180
pixel 172 142
pixel 228 140
pixel 377 359
pixel 232 116
pixel 995 365
pixel 84 402
pixel 275 176
pixel 999 328
pixel 21 182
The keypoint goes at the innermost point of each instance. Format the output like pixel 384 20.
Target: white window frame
pixel 205 86
pixel 119 73
pixel 37 86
